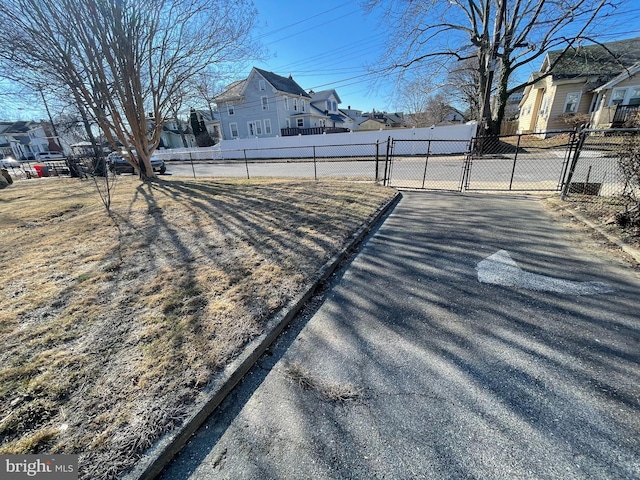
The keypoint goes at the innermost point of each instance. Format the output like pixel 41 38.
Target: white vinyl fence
pixel 451 138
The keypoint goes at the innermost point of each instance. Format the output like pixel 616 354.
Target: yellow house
pixel 588 84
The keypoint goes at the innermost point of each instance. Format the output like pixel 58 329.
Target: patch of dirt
pixel 602 212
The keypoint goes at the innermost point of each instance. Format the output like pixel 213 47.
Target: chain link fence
pixel 356 162
pixel 603 163
pixel 591 162
pixel 519 162
pixel 427 164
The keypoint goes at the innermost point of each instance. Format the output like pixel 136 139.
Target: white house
pixel 267 105
pixel 25 140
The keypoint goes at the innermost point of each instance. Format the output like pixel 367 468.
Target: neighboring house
pixel 382 121
pixel 263 105
pixel 356 117
pixel 593 82
pixel 512 107
pixel 211 122
pixel 24 140
pixel 325 115
pixel 175 134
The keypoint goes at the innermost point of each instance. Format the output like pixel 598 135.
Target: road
pixel 469 338
pixel 537 171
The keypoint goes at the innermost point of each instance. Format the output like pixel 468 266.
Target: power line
pixel 277 30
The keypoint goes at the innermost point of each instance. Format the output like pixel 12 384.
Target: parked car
pixel 41 156
pixel 9 162
pixel 117 164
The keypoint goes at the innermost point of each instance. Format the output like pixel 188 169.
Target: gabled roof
pixel 16 127
pixel 233 91
pixel 282 84
pixel 324 95
pixel 606 60
pixel 623 76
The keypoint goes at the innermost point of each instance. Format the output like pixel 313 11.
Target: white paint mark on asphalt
pixel 501 269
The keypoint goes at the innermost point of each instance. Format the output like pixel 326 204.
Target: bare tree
pixel 464 83
pixel 500 35
pixel 124 61
pixel 414 96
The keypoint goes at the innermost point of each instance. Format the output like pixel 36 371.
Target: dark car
pixel 117 164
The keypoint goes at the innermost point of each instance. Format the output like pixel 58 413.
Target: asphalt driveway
pixel 420 361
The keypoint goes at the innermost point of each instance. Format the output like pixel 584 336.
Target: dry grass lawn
pixel 601 212
pixel 109 332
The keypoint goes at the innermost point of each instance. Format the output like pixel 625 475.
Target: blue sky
pixel 329 44
pixel 324 44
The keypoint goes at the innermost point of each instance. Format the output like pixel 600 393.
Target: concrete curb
pixel 159 455
pixel 628 249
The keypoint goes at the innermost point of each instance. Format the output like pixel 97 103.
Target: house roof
pixel 16 127
pixel 233 91
pixel 282 84
pixel 623 76
pixel 606 60
pixel 324 95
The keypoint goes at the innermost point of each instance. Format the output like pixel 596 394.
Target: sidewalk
pixel 409 367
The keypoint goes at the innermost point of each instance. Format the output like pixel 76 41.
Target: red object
pixel 41 170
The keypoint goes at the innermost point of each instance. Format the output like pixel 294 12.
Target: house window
pixel 267 126
pixel 263 86
pixel 301 122
pixel 258 127
pixel 234 130
pixel 230 109
pixel 252 129
pixel 545 107
pixel 287 123
pixel 304 105
pixel 295 104
pixel 617 97
pixel 328 105
pixel 265 103
pixel 286 103
pixel 335 107
pixel 571 103
pixel 634 99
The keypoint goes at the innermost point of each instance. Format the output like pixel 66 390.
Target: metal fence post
pixel 192 167
pixel 315 167
pixel 377 158
pixel 385 181
pixel 466 167
pixel 515 158
pixel 567 158
pixel 572 168
pixel 426 161
pixel 246 163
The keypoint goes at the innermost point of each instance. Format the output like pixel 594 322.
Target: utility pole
pixel 53 125
pixel 486 110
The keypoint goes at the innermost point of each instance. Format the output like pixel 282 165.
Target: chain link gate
pixel 496 163
pixel 426 164
pixel 520 162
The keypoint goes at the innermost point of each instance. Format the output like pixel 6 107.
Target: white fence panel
pixel 333 145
